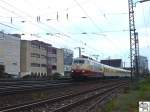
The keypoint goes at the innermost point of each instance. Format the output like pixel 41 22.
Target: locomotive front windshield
pixel 78 61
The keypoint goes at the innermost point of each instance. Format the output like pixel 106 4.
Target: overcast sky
pixel 101 27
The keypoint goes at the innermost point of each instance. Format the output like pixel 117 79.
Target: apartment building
pixel 10 53
pixel 40 59
pixel 33 58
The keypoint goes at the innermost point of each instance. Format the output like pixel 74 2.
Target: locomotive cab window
pixel 79 61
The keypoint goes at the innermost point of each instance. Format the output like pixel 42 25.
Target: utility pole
pixel 80 50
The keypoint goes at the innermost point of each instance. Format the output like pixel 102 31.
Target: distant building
pixel 113 62
pixel 60 61
pixel 68 56
pixel 143 65
pixel 40 59
pixel 10 53
pixel 68 59
pixel 33 58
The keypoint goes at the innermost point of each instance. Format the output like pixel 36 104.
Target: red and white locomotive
pixel 85 67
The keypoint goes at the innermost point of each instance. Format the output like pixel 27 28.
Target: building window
pixel 35 46
pixel 43 47
pixel 43 65
pixel 35 65
pixel 36 55
pixel 54 67
pixel 53 60
pixel 14 63
pixel 54 51
pixel 49 59
pixel 43 56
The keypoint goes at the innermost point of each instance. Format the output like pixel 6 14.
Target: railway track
pixel 32 95
pixel 9 88
pixel 20 82
pixel 14 87
pixel 66 102
pixel 15 90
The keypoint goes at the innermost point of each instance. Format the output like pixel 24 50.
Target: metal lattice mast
pixel 137 54
pixel 134 42
pixel 137 44
pixel 133 46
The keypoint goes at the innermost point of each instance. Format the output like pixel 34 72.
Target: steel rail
pixel 68 107
pixel 26 82
pixel 30 105
pixel 99 102
pixel 14 90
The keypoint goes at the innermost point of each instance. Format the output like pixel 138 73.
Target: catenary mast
pixel 133 41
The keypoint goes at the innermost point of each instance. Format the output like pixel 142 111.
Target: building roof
pixel 113 62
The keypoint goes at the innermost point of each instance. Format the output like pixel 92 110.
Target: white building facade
pixel 10 53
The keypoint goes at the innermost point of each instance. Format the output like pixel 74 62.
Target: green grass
pixel 39 95
pixel 128 102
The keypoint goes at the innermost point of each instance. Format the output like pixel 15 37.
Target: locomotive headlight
pixel 72 71
pixel 83 71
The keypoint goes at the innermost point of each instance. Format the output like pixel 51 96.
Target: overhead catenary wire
pixel 92 21
pixel 8 26
pixel 29 17
pixel 96 26
pixel 58 32
pixel 17 14
pixel 61 33
pixel 60 10
pixel 48 28
pixel 47 25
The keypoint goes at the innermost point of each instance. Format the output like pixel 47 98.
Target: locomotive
pixel 88 68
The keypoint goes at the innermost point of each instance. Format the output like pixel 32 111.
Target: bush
pixel 128 102
pixel 56 75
